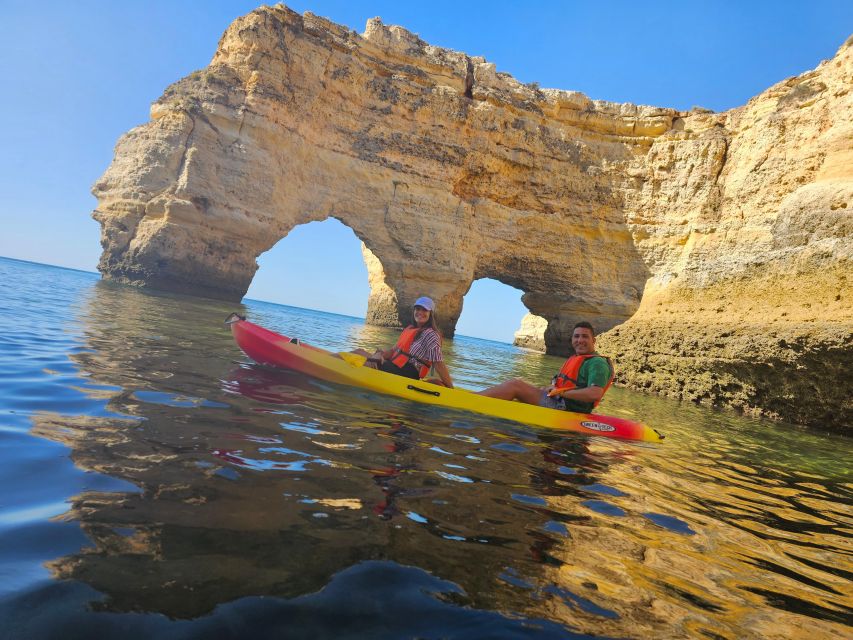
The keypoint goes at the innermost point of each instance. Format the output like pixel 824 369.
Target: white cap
pixel 425 302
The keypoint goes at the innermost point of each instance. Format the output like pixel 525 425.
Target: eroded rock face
pixel 449 172
pixel 745 220
pixel 531 333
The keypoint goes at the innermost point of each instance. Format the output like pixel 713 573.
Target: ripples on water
pixel 155 483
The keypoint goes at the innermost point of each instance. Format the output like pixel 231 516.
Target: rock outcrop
pixel 447 170
pixel 724 237
pixel 531 334
pixel 745 220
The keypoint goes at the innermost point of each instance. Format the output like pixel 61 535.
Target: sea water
pixel 156 483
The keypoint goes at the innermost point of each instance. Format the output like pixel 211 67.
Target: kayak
pixel 269 348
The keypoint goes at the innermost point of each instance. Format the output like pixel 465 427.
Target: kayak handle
pixel 427 391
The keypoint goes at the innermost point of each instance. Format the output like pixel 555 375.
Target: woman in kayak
pixel 418 349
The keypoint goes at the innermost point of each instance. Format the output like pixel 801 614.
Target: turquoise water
pixel 155 483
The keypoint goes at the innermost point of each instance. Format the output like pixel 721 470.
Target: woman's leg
pixel 515 389
pixel 373 359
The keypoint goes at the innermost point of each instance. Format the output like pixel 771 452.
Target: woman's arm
pixel 443 373
pixel 376 358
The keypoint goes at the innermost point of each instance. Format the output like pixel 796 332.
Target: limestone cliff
pixel 744 219
pixel 724 237
pixel 531 334
pixel 447 170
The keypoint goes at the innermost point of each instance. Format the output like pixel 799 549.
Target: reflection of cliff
pixel 253 483
pixel 200 533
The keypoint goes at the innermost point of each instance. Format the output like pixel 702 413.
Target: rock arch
pixel 450 171
pixel 444 178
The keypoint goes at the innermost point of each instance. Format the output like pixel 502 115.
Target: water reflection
pixel 251 482
pixel 258 482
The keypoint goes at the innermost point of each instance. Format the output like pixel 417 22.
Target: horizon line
pixel 278 304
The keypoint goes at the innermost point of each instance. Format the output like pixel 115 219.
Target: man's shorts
pixel 552 403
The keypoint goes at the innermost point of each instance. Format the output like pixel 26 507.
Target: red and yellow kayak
pixel 270 348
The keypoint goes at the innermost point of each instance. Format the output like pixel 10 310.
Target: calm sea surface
pixel 156 484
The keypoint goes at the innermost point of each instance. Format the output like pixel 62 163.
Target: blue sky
pixel 77 75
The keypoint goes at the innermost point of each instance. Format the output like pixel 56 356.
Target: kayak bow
pixel 270 348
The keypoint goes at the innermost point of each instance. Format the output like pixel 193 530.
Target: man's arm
pixel 587 394
pixel 598 375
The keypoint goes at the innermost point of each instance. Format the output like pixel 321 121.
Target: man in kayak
pixel 579 386
pixel 418 349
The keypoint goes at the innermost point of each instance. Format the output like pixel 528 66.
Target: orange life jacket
pixel 401 351
pixel 568 376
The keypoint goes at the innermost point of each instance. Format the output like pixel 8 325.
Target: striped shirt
pixel 426 346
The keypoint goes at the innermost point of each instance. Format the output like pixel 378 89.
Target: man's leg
pixel 515 389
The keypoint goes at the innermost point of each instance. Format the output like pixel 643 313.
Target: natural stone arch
pixel 434 168
pixel 492 310
pixel 316 266
pixel 450 171
pixel 560 287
